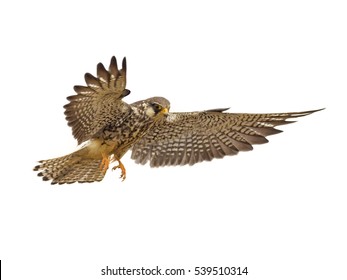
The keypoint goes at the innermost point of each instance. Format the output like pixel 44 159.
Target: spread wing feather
pixel 99 103
pixel 189 138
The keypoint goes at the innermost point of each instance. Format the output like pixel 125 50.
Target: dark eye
pixel 157 108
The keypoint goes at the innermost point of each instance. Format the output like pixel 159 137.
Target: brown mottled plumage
pixel 97 114
pixel 189 138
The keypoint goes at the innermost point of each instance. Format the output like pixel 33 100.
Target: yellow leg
pixel 122 168
pixel 104 163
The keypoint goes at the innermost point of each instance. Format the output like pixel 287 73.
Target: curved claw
pixel 122 168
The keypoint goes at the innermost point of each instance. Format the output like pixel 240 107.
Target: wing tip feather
pixel 124 64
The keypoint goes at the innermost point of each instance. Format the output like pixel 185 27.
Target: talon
pixel 104 163
pixel 122 168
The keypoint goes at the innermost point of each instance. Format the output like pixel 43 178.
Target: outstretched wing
pixel 99 103
pixel 188 138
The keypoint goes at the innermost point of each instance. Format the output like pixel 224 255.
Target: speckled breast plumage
pixel 123 136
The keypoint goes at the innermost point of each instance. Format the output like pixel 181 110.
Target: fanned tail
pixel 70 169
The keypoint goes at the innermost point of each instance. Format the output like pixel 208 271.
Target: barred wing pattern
pixel 189 138
pixel 99 103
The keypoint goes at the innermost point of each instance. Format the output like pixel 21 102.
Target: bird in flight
pixel 110 127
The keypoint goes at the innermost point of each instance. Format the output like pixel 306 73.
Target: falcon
pixel 109 127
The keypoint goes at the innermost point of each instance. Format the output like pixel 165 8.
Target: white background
pixel 280 210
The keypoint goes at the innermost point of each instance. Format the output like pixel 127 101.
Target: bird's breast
pixel 120 137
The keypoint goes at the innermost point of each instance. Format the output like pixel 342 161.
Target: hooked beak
pixel 164 111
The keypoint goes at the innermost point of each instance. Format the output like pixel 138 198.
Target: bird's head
pixel 157 107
